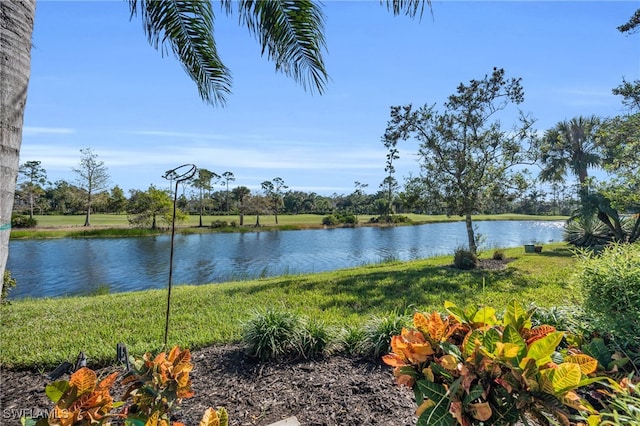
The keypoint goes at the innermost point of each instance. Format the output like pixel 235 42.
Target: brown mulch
pixel 333 391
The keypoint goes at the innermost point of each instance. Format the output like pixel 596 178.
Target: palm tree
pixel 570 147
pixel 291 33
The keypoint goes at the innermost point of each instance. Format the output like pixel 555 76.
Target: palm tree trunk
pixel 16 28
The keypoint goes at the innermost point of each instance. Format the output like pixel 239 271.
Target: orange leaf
pixel 84 380
pixel 436 326
pixel 175 351
pixel 394 360
pixel 539 332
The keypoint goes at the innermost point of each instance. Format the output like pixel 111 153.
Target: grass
pixel 112 225
pixel 41 333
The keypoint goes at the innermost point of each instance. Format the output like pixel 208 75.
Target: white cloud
pixel 33 131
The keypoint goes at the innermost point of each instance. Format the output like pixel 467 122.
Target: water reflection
pixel 79 266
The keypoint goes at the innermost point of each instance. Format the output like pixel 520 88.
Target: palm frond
pixel 291 32
pixel 410 8
pixel 186 28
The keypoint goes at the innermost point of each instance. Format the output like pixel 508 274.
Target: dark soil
pixel 335 390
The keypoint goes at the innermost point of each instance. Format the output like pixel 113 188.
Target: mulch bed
pixel 332 391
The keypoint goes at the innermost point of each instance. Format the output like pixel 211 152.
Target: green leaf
pixel 437 416
pixel 55 390
pixel 598 350
pixel 434 391
pixel 455 312
pixel 475 393
pixel 517 316
pixel 542 349
pixel 490 338
pixel 511 335
pixel 470 341
pixel 451 349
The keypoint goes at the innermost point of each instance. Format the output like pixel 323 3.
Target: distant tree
pixel 240 195
pixel 390 184
pixel 273 193
pixel 358 197
pixel 203 184
pixel 630 93
pixel 92 177
pixel 117 202
pixel 227 177
pixel 465 152
pixel 145 208
pixel 34 178
pixel 257 205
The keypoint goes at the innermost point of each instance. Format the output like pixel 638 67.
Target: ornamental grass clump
pixel 379 331
pixel 273 334
pixel 470 368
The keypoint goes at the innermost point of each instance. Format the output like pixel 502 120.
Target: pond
pixel 75 266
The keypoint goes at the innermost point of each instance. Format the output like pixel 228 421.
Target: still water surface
pixel 50 268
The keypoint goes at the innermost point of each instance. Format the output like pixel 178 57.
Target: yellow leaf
pixel 153 419
pixel 428 374
pixel 426 404
pixel 566 376
pixel 436 326
pixel 449 362
pixel 481 411
pixel 420 322
pixel 84 380
pixel 587 364
pixel 210 418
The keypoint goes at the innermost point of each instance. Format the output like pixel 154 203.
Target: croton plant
pixel 470 368
pixel 157 384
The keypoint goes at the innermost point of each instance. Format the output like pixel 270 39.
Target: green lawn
pixel 41 333
pixel 117 225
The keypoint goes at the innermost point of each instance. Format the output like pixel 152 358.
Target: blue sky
pixel 97 83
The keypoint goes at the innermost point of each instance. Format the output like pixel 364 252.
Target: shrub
pixel 378 332
pixel 470 368
pixel 464 259
pixel 586 232
pixel 611 284
pixel 330 220
pixel 623 407
pixel 8 283
pixel 273 334
pixel 19 221
pixel 156 386
pixel 219 224
pixel 498 255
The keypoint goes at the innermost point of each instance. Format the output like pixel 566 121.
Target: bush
pixel 464 259
pixel 339 218
pixel 19 221
pixel 330 220
pixel 611 284
pixel 498 255
pixel 219 224
pixel 273 334
pixel 394 218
